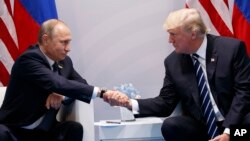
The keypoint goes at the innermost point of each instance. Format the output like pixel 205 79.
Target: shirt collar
pixel 202 49
pixel 51 62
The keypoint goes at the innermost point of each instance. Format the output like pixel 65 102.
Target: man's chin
pixel 177 51
pixel 62 58
pixel 180 52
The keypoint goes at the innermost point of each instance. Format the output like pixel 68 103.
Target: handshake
pixel 117 98
pixel 121 96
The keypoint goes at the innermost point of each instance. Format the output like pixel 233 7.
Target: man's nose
pixel 170 40
pixel 67 48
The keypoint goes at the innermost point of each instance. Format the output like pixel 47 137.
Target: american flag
pixel 225 17
pixel 19 24
pixel 20 21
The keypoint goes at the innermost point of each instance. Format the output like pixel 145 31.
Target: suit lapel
pixel 211 62
pixel 189 72
pixel 60 63
pixel 60 68
pixel 45 61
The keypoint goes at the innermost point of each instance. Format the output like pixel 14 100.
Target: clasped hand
pixel 116 98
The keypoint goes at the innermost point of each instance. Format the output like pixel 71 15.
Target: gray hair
pixel 47 28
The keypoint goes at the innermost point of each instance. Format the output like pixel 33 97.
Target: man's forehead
pixel 176 29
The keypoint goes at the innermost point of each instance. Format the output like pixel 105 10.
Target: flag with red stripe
pixel 225 17
pixel 19 25
pixel 241 21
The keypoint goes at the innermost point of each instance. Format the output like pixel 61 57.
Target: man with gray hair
pixel 42 79
pixel 207 74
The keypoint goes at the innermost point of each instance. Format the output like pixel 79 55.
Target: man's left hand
pixel 54 100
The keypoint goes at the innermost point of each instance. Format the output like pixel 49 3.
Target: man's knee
pixel 181 128
pixel 75 131
pixel 76 128
pixel 168 128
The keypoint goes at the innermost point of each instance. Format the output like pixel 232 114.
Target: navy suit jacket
pixel 32 80
pixel 228 71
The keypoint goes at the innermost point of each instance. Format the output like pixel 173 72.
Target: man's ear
pixel 193 35
pixel 45 39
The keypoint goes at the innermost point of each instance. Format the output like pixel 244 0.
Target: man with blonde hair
pixel 208 74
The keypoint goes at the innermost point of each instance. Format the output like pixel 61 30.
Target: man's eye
pixel 173 34
pixel 65 42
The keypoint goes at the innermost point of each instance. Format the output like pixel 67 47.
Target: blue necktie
pixel 207 108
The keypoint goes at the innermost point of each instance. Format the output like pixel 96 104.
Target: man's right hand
pixel 117 98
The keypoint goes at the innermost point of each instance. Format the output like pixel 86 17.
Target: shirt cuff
pixel 95 91
pixel 227 131
pixel 135 106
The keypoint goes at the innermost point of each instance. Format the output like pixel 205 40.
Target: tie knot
pixel 55 67
pixel 195 56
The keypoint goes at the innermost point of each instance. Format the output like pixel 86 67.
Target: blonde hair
pixel 188 19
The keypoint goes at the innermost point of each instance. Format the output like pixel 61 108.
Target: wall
pixel 118 41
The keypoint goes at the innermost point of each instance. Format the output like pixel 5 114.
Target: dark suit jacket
pixel 228 71
pixel 32 80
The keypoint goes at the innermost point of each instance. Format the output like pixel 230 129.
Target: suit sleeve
pixel 241 102
pixel 32 68
pixel 162 105
pixel 73 75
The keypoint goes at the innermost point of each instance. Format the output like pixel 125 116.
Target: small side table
pixel 142 129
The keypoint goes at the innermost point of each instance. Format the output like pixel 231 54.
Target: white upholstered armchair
pixel 80 112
